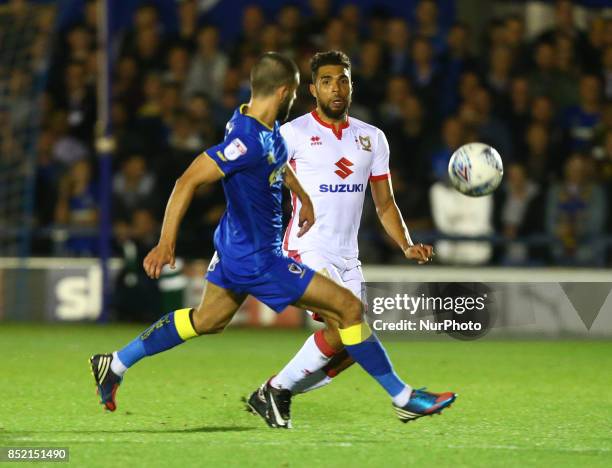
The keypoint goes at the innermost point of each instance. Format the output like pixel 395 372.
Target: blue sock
pixel 170 330
pixel 363 346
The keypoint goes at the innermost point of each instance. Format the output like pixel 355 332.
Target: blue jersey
pixel 252 158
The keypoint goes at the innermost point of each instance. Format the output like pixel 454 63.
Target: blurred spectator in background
pixel 77 208
pixel 316 23
pixel 518 213
pixel 455 214
pixel 66 149
pixel 538 159
pixel 543 113
pixel 390 111
pixel 564 25
pixel 494 35
pixel 200 114
pixel 498 77
pixel 149 49
pixel 204 213
pixel 454 62
pixel 48 173
pixel 350 15
pixel 248 42
pixel 271 38
pixel 427 25
pixel 412 138
pixel 187 24
pixel 469 82
pixel 566 56
pixel 178 80
pixel 20 106
pixel 148 123
pixel 79 101
pixel 369 76
pixel 145 25
pixel 606 72
pixel 603 161
pixel 453 136
pixel 177 67
pixel 579 121
pixel 489 127
pixel 547 80
pixel 590 56
pixel 514 39
pixel 127 83
pixel 209 65
pixel 398 46
pixel 132 187
pixel 377 23
pixel 137 297
pixel 125 134
pixel 519 109
pixel 336 39
pixel 425 74
pixel 576 210
pixel 80 44
pixel 289 23
pixel 183 145
pixel 604 125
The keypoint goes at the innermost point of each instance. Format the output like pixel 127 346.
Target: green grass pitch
pixel 521 403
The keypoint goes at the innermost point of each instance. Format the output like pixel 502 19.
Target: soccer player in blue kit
pixel 251 161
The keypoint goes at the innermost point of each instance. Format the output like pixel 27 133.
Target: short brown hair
pixel 271 71
pixel 331 57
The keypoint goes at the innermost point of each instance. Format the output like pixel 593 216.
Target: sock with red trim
pixel 311 357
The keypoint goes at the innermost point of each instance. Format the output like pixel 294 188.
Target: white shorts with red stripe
pixel 344 271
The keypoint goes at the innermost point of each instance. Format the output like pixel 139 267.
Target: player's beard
pixel 284 109
pixel 339 114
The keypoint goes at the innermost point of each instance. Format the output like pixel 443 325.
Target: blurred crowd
pixel 545 104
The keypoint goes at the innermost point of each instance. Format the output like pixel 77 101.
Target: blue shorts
pixel 282 283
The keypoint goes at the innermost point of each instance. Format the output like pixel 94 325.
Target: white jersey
pixel 334 167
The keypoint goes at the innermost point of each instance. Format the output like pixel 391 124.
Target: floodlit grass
pixel 521 403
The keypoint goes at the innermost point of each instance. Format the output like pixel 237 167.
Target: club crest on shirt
pixel 366 143
pixel 296 269
pixel 235 149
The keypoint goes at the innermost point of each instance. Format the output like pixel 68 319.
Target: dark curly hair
pixel 331 57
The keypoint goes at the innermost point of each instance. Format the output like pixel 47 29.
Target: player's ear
pixel 281 93
pixel 313 90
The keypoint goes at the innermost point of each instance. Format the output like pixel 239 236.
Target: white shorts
pixel 344 271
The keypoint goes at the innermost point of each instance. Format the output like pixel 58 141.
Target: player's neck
pixel 264 110
pixel 336 123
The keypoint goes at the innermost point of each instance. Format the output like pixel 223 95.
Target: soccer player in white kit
pixel 335 157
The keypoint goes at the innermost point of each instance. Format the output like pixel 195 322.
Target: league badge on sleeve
pixel 235 149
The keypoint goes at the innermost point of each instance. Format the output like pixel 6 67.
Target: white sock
pixel 117 366
pixel 313 381
pixel 401 399
pixel 308 360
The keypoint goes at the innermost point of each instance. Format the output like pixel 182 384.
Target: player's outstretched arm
pixel 391 219
pixel 306 215
pixel 203 170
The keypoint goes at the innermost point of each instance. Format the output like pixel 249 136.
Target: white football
pixel 475 169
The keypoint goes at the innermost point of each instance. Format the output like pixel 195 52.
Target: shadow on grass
pixel 202 429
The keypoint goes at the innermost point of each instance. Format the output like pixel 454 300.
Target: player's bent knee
pixel 332 337
pixel 210 331
pixel 352 312
pixel 207 324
